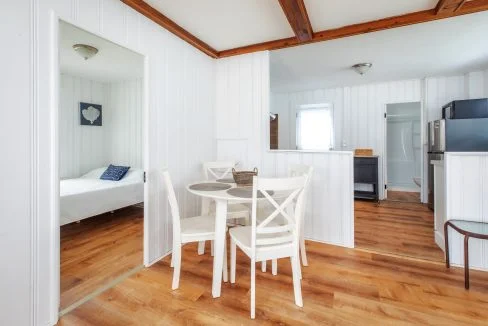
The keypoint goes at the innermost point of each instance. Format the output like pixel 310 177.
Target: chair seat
pixel 198 225
pixel 242 237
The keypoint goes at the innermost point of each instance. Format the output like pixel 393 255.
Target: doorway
pixel 101 164
pixel 403 173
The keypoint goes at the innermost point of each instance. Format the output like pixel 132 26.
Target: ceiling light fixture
pixel 362 68
pixel 85 51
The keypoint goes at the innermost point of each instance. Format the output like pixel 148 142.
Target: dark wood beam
pixel 424 16
pixel 297 16
pixel 448 6
pixel 160 19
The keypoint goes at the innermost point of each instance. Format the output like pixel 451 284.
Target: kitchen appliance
pixel 464 130
pixel 466 109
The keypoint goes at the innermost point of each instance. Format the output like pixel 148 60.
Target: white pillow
pixel 94 174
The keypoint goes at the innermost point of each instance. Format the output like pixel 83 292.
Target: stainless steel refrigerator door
pixel 437 136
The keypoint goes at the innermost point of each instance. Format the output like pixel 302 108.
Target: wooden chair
pixel 267 241
pixel 220 170
pixel 192 229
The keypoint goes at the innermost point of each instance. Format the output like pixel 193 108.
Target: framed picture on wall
pixel 90 114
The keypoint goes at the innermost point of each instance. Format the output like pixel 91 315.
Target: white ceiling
pixel 111 63
pixel 226 24
pixel 327 14
pixel 444 47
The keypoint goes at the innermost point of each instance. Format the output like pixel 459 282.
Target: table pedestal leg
pixel 466 262
pixel 220 226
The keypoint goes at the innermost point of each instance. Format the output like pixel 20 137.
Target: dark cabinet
pixel 366 172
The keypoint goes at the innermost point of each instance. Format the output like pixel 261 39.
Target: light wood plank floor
pixel 98 250
pixel 340 287
pixel 397 228
pixel 404 196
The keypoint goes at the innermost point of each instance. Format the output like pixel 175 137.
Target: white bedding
pixel 88 195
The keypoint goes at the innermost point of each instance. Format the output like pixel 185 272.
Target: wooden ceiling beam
pixel 424 16
pixel 297 16
pixel 448 6
pixel 160 19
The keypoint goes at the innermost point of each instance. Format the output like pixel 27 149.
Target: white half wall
pixel 242 106
pixel 180 135
pixel 466 191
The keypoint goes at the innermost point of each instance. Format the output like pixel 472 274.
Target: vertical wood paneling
pixel 124 123
pixel 180 129
pixel 466 192
pixel 358 112
pixel 329 215
pixel 81 148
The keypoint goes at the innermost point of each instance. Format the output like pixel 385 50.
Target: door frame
pixel 385 148
pixel 54 117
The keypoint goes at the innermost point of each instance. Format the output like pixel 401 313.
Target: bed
pixel 89 196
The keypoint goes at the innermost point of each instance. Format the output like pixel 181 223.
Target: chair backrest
pixel 173 203
pixel 217 170
pixel 290 209
pixel 295 170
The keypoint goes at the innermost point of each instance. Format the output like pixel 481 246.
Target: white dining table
pixel 221 198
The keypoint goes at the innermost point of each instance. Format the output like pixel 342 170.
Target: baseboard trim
pixel 158 259
pixel 439 240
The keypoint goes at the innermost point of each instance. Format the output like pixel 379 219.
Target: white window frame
pixel 315 106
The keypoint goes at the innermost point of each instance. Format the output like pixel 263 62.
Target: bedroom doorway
pixel 101 164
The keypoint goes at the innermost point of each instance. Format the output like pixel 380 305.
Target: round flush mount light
pixel 362 68
pixel 85 51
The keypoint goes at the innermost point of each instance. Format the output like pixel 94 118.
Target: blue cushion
pixel 114 172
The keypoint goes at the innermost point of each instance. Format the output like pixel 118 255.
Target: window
pixel 315 127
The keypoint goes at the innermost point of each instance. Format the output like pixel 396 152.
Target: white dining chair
pixel 220 170
pixel 299 170
pixel 192 229
pixel 268 241
pixel 293 171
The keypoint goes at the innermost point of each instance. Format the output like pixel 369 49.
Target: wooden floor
pixel 397 228
pixel 404 196
pixel 340 287
pixel 98 250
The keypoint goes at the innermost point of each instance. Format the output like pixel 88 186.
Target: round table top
pixel 225 195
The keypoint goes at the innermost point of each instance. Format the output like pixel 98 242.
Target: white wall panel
pixel 466 176
pixel 242 106
pixel 17 164
pixel 358 112
pixel 124 122
pixel 180 134
pixel 81 148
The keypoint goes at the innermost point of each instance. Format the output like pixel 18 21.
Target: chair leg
pixel 201 247
pixel 177 266
pixel 232 261
pixel 225 271
pixel 211 248
pixel 303 251
pixel 263 266
pixel 274 267
pixel 253 288
pixel 297 288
